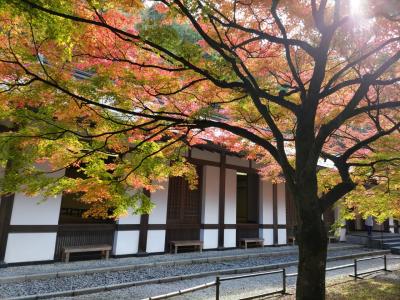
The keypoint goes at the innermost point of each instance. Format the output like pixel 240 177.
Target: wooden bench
pixel 291 240
pixel 245 241
pixel 176 244
pixel 105 250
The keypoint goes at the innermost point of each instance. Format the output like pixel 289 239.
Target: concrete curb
pixel 92 290
pixel 67 273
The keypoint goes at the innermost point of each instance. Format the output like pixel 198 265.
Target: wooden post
pixel 144 222
pixel 6 207
pixel 275 211
pixel 221 215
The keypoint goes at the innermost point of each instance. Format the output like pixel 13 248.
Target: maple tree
pixel 120 89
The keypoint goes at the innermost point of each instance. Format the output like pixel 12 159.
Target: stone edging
pixel 52 275
pixel 92 290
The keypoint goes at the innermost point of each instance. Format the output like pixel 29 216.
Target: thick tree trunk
pixel 312 240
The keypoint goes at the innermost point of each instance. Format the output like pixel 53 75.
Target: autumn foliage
pixel 119 91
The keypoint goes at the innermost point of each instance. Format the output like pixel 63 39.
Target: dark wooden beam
pixel 275 211
pixel 6 207
pixel 32 228
pixel 144 226
pixel 144 222
pixel 272 226
pixel 221 219
pixel 202 162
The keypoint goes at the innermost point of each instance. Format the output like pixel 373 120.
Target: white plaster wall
pixel 391 225
pixel 126 242
pixel 237 161
pixel 342 234
pixel 129 219
pixel 281 203
pixel 206 155
pixel 160 198
pixel 266 203
pixel 267 235
pixel 155 241
pixel 26 247
pixel 34 211
pixel 342 230
pixel 230 196
pixel 282 236
pixel 209 238
pixel 210 195
pixel 229 238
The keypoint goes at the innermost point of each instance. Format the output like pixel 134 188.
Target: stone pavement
pixel 163 271
pixel 231 289
pixel 77 267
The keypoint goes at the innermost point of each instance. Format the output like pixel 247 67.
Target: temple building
pixel 230 203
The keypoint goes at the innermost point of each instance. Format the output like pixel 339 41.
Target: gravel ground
pixel 106 278
pixel 112 262
pixel 234 289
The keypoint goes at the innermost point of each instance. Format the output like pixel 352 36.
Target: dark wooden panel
pixel 175 193
pixel 351 225
pixel 247 231
pixel 183 211
pixel 253 191
pixel 184 204
pixel 83 234
pixel 385 226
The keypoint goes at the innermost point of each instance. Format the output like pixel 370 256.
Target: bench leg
pixel 201 248
pixel 245 245
pixel 66 257
pixel 176 249
pixel 107 254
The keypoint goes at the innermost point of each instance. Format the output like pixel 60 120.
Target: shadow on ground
pixel 379 287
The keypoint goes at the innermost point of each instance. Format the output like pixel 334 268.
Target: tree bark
pixel 312 241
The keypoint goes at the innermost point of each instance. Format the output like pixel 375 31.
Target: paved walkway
pixel 232 289
pixel 161 272
pixel 153 259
